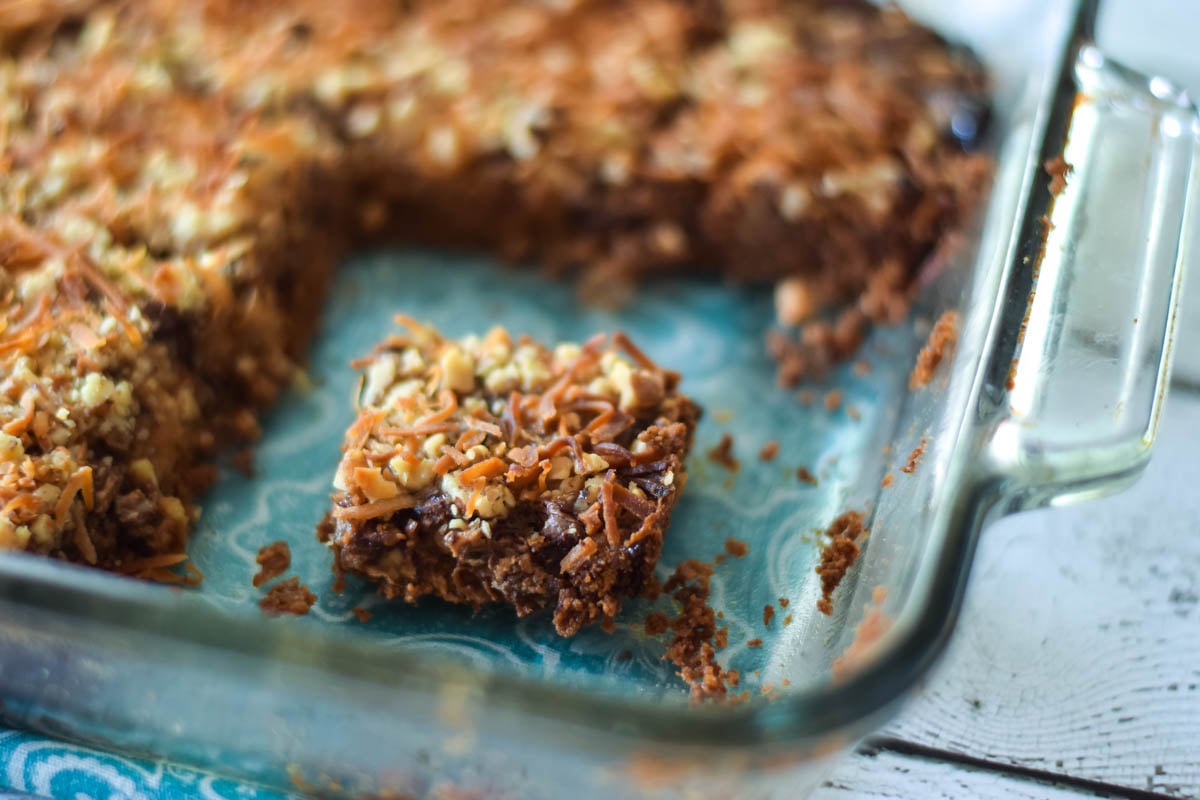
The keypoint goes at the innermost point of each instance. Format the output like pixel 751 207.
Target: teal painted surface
pixel 711 333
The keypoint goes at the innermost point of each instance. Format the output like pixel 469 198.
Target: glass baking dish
pixel 1052 393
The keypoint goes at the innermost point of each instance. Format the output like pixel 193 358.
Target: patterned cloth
pixel 62 771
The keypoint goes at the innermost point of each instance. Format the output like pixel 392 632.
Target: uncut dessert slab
pixel 707 331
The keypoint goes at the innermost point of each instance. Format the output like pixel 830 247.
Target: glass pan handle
pixel 1088 381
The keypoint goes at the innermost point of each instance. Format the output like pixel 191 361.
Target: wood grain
pixel 1078 652
pixel 890 776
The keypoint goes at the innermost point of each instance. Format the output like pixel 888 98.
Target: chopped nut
pixel 458 370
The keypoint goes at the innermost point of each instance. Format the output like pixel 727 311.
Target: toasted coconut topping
pixel 548 423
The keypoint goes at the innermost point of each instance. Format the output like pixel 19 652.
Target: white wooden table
pixel 1075 669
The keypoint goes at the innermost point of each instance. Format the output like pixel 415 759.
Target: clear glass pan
pixel 1053 392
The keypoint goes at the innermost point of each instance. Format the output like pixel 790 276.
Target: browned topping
pixel 769 451
pixel 768 614
pixel 887 480
pixel 838 554
pixel 784 602
pixel 159 569
pixel 496 470
pixel 288 597
pixel 273 560
pixel 1058 169
pixel 733 677
pixel 657 623
pixel 754 642
pixel 806 476
pixel 833 400
pixel 736 547
pixel 723 453
pixel 941 340
pixel 914 458
pixel 362 614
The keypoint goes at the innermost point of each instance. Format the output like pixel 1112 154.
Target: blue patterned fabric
pixel 62 771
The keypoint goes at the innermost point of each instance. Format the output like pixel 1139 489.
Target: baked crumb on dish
pixel 179 179
pixel 492 470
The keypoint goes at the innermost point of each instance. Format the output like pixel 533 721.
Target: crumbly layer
pixel 492 471
pixel 178 179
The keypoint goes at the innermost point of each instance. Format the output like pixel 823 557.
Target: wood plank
pixel 1078 651
pixel 891 776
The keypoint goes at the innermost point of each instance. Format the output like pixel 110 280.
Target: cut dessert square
pixel 487 471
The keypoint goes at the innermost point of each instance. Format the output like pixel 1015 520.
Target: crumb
pixel 795 301
pixel 363 614
pixel 784 602
pixel 608 625
pixel 723 453
pixel 720 559
pixel 754 643
pixel 767 688
pixel 787 620
pixel 691 648
pixel 853 413
pixel 838 555
pixel 914 458
pixel 887 450
pixel 862 367
pixel 941 340
pixel 720 615
pixel 721 639
pixel 288 597
pixel 657 623
pixel 887 480
pixel 769 451
pixel 786 682
pixel 273 560
pixel 1011 382
pixel 733 677
pixel 243 461
pixel 833 400
pixel 1058 169
pixel 806 397
pixel 736 547
pixel 722 416
pixel 806 476
pixel 768 614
